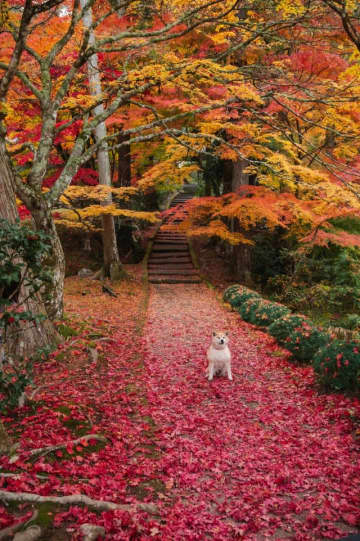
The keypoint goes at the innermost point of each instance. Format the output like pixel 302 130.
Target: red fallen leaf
pixel 312 521
pixel 351 519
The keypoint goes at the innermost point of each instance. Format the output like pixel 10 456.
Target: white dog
pixel 219 356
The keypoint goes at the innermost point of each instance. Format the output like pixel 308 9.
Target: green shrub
pixel 305 341
pixel 14 378
pixel 350 321
pixel 284 326
pixel 248 308
pixel 268 312
pixel 230 292
pixel 239 295
pixel 337 366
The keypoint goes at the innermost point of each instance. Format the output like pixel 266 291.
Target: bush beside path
pixel 262 457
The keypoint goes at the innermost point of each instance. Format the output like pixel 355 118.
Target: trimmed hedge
pixel 337 366
pixel 229 293
pixel 284 326
pixel 236 295
pixel 305 341
pixel 336 362
pixel 268 312
pixel 248 308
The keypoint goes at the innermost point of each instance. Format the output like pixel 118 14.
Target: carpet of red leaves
pixel 262 457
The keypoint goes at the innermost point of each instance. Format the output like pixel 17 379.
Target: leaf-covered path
pixel 262 456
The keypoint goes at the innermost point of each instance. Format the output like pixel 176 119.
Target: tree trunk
pixel 53 295
pixel 239 178
pixel 112 265
pixel 32 336
pixel 242 263
pixel 242 252
pixel 227 174
pixel 124 163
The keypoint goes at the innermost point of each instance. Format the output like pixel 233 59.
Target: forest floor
pixel 265 456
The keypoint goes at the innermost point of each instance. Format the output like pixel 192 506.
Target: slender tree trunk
pixel 227 176
pixel 112 265
pixel 32 336
pixel 242 263
pixel 242 252
pixel 124 163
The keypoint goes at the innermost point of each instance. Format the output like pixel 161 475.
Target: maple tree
pixel 299 139
pixel 45 63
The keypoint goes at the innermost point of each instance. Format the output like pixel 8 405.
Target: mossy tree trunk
pixel 31 337
pixel 53 295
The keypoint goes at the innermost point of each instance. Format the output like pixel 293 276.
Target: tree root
pixel 76 499
pixel 30 534
pixel 42 451
pixel 10 531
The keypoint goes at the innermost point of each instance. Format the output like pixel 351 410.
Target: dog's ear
pixel 227 333
pixel 214 333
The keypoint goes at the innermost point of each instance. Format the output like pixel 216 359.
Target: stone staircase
pixel 170 261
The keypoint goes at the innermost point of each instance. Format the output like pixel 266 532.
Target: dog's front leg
pixel 211 371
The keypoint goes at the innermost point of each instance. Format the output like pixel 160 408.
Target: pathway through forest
pixel 261 457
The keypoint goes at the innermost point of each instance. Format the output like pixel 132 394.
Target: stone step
pixel 171 236
pixel 171 266
pixel 171 241
pixel 170 248
pixel 167 240
pixel 167 280
pixel 172 272
pixel 170 255
pixel 170 261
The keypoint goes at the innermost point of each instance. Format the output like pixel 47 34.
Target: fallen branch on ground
pixel 76 499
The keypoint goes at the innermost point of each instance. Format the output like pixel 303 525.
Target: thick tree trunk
pixel 53 295
pixel 32 336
